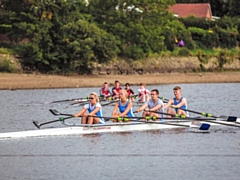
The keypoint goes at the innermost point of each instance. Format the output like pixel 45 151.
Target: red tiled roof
pixel 200 10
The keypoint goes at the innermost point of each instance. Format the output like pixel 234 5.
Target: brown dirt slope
pixel 30 81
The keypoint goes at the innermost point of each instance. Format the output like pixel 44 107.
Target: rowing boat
pixel 135 125
pixel 99 128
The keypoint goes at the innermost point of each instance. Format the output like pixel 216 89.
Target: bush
pixel 6 66
pixel 184 52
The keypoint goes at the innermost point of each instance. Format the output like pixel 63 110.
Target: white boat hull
pixel 106 128
pixel 119 127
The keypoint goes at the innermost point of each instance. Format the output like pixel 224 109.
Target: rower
pixel 124 105
pixel 129 91
pixel 178 104
pixel 104 91
pixel 154 104
pixel 95 111
pixel 143 93
pixel 116 90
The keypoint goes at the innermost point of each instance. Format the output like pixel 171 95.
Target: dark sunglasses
pixel 91 98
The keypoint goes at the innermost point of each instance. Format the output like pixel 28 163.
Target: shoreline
pixel 32 81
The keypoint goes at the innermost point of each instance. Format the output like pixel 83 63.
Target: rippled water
pixel 162 154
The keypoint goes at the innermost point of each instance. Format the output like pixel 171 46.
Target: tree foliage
pixel 60 39
pixel 136 24
pixel 64 36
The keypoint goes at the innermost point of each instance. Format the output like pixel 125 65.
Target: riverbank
pixel 32 81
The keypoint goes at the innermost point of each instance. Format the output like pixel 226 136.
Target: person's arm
pixel 141 108
pixel 170 102
pixel 109 93
pixel 156 107
pixel 114 112
pixel 81 112
pixel 139 91
pixel 132 93
pixel 126 110
pixel 114 92
pixel 148 92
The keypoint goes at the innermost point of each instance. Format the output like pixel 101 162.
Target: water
pixel 163 154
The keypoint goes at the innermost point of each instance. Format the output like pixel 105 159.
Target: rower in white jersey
pixel 178 103
pixel 95 111
pixel 154 104
pixel 124 105
pixel 143 93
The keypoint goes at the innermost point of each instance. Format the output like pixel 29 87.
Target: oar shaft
pixel 110 103
pixel 66 100
pixel 49 122
pixel 168 114
pixel 201 127
pixel 221 123
pixel 200 113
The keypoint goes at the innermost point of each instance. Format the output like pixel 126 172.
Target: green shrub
pixel 6 66
pixel 184 52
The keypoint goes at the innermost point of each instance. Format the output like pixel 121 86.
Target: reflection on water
pixel 160 154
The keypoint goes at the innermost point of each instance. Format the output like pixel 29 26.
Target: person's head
pixel 142 85
pixel 117 83
pixel 177 91
pixel 93 97
pixel 154 94
pixel 123 94
pixel 127 86
pixel 105 84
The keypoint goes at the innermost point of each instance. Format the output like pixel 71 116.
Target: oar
pixel 79 103
pixel 163 99
pixel 38 125
pixel 86 102
pixel 216 120
pixel 202 126
pixel 110 102
pixel 57 113
pixel 227 118
pixel 200 113
pixel 177 117
pixel 147 118
pixel 168 114
pixel 66 100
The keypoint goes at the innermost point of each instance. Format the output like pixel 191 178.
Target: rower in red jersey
pixel 129 91
pixel 104 91
pixel 116 90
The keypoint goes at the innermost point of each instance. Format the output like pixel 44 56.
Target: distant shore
pixel 31 81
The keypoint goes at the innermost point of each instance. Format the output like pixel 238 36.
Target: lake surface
pixel 163 154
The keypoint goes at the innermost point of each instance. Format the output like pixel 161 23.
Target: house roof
pixel 200 10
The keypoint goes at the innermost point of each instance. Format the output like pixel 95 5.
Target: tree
pixel 136 24
pixel 234 8
pixel 60 38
